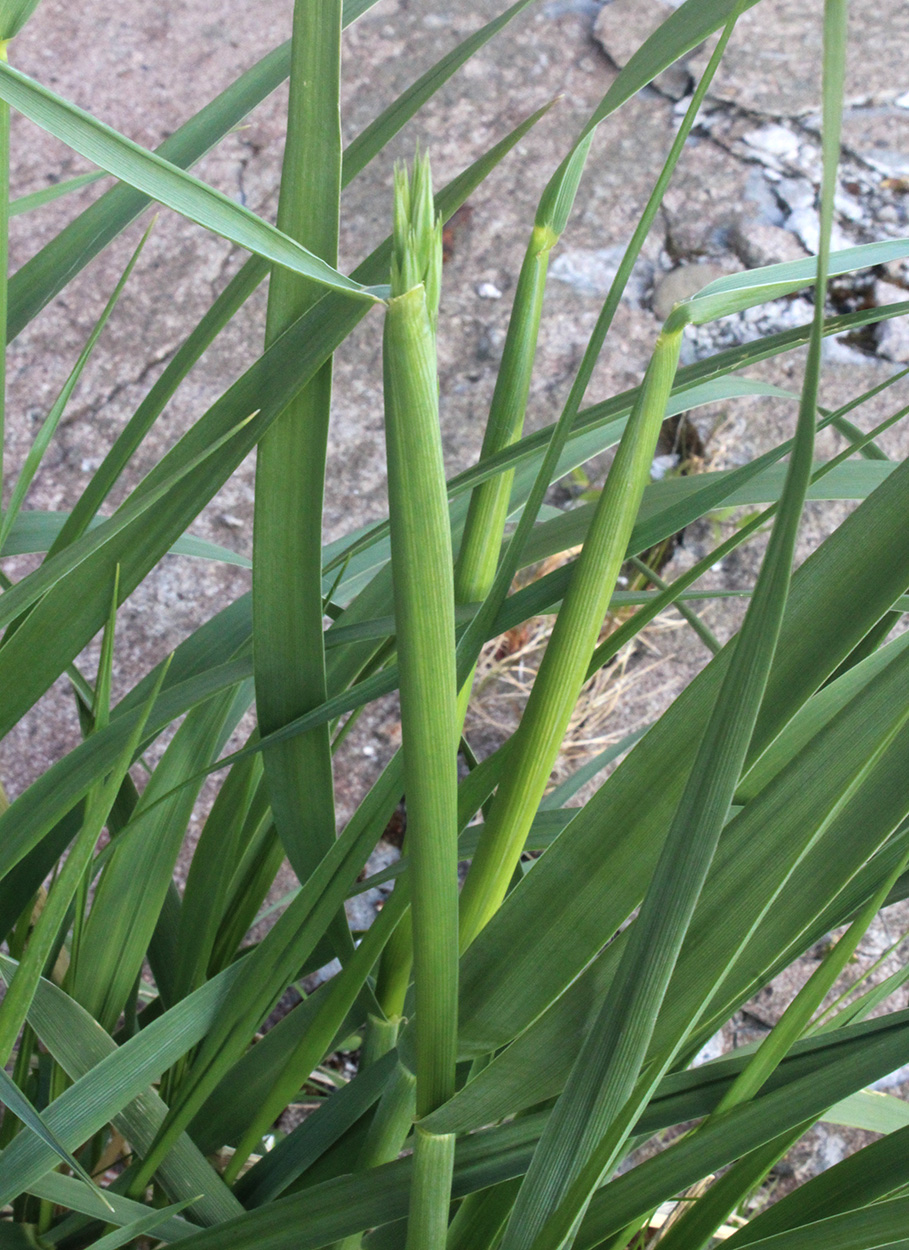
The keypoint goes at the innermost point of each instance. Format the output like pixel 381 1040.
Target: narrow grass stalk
pixel 340 997
pixel 49 426
pixel 489 876
pixel 4 256
pixel 525 321
pixel 696 1227
pixel 287 553
pixel 389 1128
pixel 581 1142
pixel 574 636
pixel 41 942
pixel 797 1017
pixel 424 612
pixel 646 613
pixel 489 503
pixel 705 634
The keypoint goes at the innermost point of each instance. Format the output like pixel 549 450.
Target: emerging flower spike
pixel 417 242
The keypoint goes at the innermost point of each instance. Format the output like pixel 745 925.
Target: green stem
pixel 424 610
pixel 562 672
pixel 4 257
pixel 489 503
pixel 427 1226
pixel 316 1042
pixel 287 563
pixel 421 562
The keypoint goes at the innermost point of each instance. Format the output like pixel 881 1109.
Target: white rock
pixel 711 1050
pixel 893 339
pixel 848 206
pixel 796 192
pixel 591 272
pixel 488 290
pixel 902 101
pixel 661 465
pixel 805 224
pixel 775 141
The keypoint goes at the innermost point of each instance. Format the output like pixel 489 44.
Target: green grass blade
pixel 865 1177
pixel 424 612
pixel 110 1084
pixel 339 999
pixel 47 195
pixel 142 1226
pixel 13 16
pixel 22 987
pixel 582 1138
pixel 49 425
pixel 58 262
pixel 64 1191
pixel 266 972
pixel 137 874
pixel 36 531
pixel 536 742
pixel 295 1153
pixel 501 995
pixel 16 1103
pixel 161 180
pixel 271 383
pixel 290 466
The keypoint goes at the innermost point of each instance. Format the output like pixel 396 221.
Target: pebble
pixel 661 465
pixel 902 101
pixel 805 225
pixel 621 28
pixel 591 272
pixel 893 335
pixel 758 244
pixel 796 192
pixel 681 283
pixel 488 290
pixel 776 142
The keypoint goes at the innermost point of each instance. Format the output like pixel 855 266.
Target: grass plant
pixel 515 1041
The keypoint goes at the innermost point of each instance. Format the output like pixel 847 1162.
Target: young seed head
pixel 417 241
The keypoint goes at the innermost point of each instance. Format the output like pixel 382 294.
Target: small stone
pixel 232 522
pixel 796 192
pixel 591 272
pixel 892 335
pixel 888 293
pixel 760 193
pixel 897 272
pixel 621 28
pixel 902 101
pixel 758 245
pixel 848 206
pixel 774 141
pixel 681 283
pixel 661 465
pixel 805 225
pixel 712 1049
pixel 488 290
